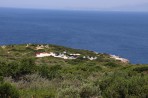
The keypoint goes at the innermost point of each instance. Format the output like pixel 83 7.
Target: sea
pixel 120 33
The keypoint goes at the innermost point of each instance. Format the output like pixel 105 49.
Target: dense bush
pixel 112 64
pixel 8 91
pixel 3 68
pixel 90 91
pixel 27 66
pixel 50 72
pixel 17 68
pixel 68 93
pixel 141 69
pixel 124 86
pixel 76 61
pixel 89 68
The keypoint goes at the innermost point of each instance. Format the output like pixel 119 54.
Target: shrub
pixel 121 86
pixel 75 61
pixel 68 93
pixel 51 94
pixel 89 67
pixel 89 91
pixel 1 79
pixel 26 66
pixel 3 68
pixel 17 68
pixel 111 64
pixel 141 69
pixel 50 72
pixel 13 68
pixel 7 90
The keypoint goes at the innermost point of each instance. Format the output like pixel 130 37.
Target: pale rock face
pixel 27 45
pixel 119 58
pixel 46 46
pixel 3 47
pixel 39 47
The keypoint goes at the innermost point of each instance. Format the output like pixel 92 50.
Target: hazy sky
pixel 117 5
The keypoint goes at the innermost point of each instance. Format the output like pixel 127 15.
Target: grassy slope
pixel 59 78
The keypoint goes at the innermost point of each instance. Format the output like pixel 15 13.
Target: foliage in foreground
pixel 49 77
pixel 123 85
pixel 7 90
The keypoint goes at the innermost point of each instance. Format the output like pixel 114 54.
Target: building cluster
pixel 63 55
pixel 58 55
pixel 90 57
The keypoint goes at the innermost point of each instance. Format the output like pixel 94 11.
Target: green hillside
pixel 27 71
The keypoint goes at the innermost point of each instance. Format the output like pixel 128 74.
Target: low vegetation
pixel 23 75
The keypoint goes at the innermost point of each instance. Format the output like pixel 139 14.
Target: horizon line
pixel 64 9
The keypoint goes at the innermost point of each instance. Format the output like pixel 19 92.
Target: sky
pixel 103 5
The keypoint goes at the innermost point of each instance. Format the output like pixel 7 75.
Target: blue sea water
pixel 120 33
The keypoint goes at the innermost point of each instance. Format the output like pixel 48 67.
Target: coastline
pixel 62 54
pixel 37 67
